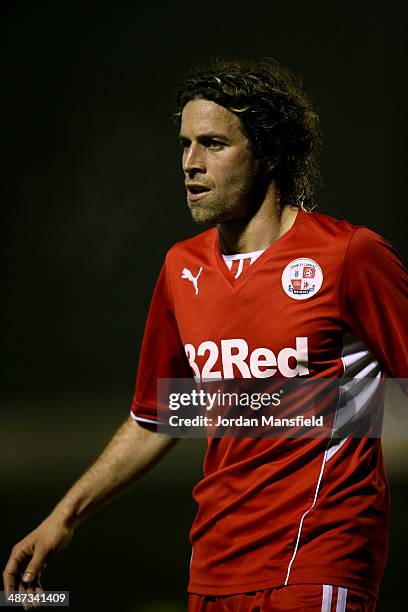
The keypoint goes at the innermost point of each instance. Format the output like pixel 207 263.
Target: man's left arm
pixel 373 296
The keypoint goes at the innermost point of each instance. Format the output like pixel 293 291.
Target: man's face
pixel 222 175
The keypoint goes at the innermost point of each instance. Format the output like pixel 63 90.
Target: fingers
pixel 31 589
pixel 23 573
pixel 33 570
pixel 9 576
pixel 18 560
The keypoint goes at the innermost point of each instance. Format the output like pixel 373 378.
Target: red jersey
pixel 325 300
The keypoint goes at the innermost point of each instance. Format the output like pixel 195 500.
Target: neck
pixel 268 223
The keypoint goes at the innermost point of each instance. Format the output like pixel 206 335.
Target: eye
pixel 213 144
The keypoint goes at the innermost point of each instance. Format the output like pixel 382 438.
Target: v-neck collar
pixel 235 283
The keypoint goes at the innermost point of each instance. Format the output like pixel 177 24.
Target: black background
pixel 94 198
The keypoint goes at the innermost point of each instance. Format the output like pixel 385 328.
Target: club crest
pixel 302 278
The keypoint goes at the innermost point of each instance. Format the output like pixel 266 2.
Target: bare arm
pixel 132 451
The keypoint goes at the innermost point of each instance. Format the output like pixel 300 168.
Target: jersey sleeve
pixel 162 354
pixel 373 294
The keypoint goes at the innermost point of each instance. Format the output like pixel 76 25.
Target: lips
pixel 196 191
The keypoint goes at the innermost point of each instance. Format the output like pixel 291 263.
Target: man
pixel 273 290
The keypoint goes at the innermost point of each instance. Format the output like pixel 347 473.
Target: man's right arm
pixel 132 452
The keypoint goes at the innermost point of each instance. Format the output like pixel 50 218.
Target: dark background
pixel 94 198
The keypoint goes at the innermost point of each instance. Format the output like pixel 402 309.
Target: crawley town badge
pixel 302 278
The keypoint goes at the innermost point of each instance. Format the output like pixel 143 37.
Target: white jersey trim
pixel 138 418
pixel 254 254
pixel 327 598
pixel 354 357
pixel 241 257
pixel 362 374
pixel 341 600
pixel 332 450
pixel 240 267
pixel 304 516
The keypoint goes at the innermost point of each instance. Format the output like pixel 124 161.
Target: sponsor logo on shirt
pixel 302 278
pixel 235 360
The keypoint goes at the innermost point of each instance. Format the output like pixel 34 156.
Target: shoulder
pixel 330 226
pixel 193 246
pixel 342 233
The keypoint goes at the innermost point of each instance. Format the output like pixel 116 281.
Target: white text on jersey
pixel 261 363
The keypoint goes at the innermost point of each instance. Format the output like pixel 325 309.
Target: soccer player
pixel 272 290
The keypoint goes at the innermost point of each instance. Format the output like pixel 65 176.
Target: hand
pixel 28 557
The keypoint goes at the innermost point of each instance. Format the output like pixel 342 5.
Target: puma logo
pixel 194 279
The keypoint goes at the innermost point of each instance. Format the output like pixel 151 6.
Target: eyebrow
pixel 205 135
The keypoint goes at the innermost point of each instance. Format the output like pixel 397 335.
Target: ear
pixel 272 162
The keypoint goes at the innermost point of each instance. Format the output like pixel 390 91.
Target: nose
pixel 193 159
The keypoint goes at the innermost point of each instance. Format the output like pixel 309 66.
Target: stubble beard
pixel 236 204
pixel 211 212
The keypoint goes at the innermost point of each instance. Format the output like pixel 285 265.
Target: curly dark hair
pixel 276 116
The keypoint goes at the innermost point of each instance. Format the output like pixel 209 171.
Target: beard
pixel 210 211
pixel 239 202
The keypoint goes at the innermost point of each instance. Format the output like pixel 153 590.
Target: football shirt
pixel 326 300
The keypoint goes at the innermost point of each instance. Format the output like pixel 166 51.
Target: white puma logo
pixel 194 279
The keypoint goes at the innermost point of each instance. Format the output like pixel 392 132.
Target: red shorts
pixel 294 598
